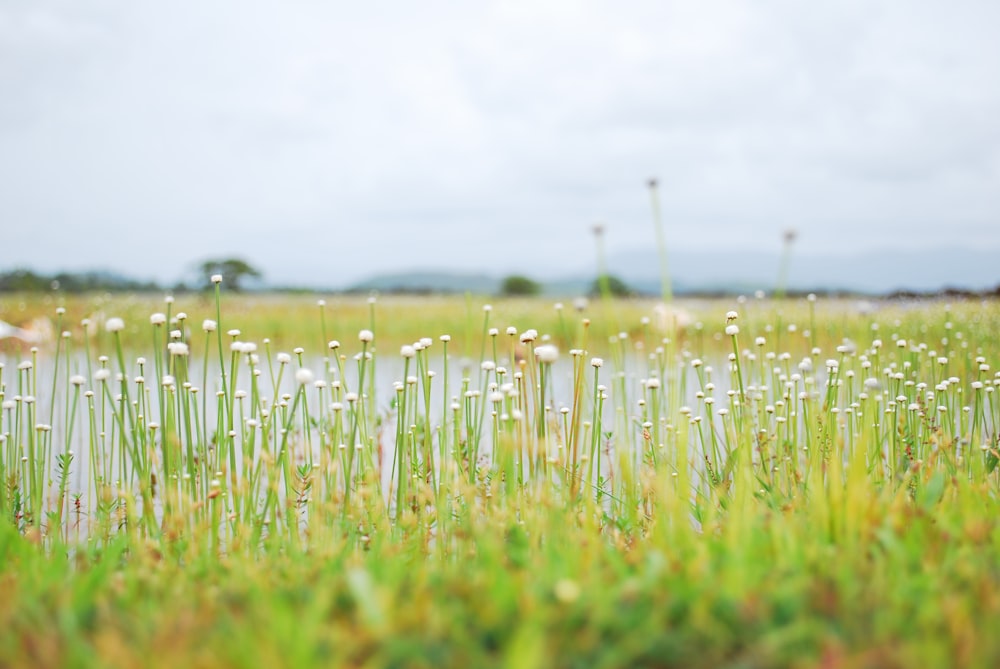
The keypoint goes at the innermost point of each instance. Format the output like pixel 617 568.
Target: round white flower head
pixel 177 348
pixel 320 303
pixel 181 316
pixel 158 318
pixel 511 330
pixel 284 358
pixel 529 335
pixel 303 376
pixel 114 325
pixel 208 325
pixel 407 351
pixel 77 380
pixel 216 279
pixel 547 353
pixel 596 362
pixel 732 330
pixel 333 345
pixel 731 316
pixel 426 341
pixel 366 336
pixel 445 338
pixel 167 380
pixel 653 383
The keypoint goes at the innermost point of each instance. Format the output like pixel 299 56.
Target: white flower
pixel 303 376
pixel 529 335
pixel 177 348
pixel 407 351
pixel 731 316
pixel 284 358
pixel 366 336
pixel 102 375
pixel 333 345
pixel 158 318
pixel 114 325
pixel 216 279
pixel 547 353
pixel 208 325
pixel 596 362
pixel 167 380
pixel 653 383
pixel 77 380
pixel 732 330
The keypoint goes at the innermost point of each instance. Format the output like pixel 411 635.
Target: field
pixel 227 480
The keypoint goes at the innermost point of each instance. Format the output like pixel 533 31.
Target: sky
pixel 325 142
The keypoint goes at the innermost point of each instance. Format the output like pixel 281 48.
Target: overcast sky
pixel 327 141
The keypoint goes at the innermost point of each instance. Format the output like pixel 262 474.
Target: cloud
pixel 327 142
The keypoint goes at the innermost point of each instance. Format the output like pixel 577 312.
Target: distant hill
pixel 428 282
pixel 732 271
pixel 868 271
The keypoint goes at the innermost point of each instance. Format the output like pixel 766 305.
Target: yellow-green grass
pixel 847 524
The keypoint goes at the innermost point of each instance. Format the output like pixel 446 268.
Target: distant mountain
pixel 869 271
pixel 733 271
pixel 428 282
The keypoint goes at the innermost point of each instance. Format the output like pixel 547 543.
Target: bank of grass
pixel 829 500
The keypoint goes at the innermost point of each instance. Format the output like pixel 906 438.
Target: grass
pixel 800 483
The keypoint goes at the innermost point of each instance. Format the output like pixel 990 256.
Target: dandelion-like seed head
pixel 177 348
pixel 303 376
pixel 366 336
pixel 114 325
pixel 407 351
pixel 731 316
pixel 216 279
pixel 597 362
pixel 547 353
pixel 157 318
pixel 208 325
pixel 732 330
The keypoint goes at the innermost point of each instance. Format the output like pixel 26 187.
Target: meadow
pixel 258 480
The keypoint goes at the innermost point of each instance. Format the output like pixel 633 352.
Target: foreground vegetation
pixel 434 483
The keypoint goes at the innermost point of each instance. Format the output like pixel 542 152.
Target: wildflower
pixel 732 330
pixel 208 325
pixel 596 362
pixel 114 325
pixel 177 348
pixel 547 353
pixel 407 351
pixel 216 279
pixel 158 318
pixel 303 376
pixel 366 336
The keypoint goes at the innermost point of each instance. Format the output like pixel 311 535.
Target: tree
pixel 233 271
pixel 517 285
pixel 610 285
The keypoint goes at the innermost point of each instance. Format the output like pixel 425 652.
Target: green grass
pixel 827 501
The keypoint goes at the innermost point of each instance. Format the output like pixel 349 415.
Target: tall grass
pixel 737 491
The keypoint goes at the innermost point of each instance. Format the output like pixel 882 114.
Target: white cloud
pixel 372 136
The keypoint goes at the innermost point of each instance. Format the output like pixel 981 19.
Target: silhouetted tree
pixel 233 270
pixel 614 286
pixel 517 285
